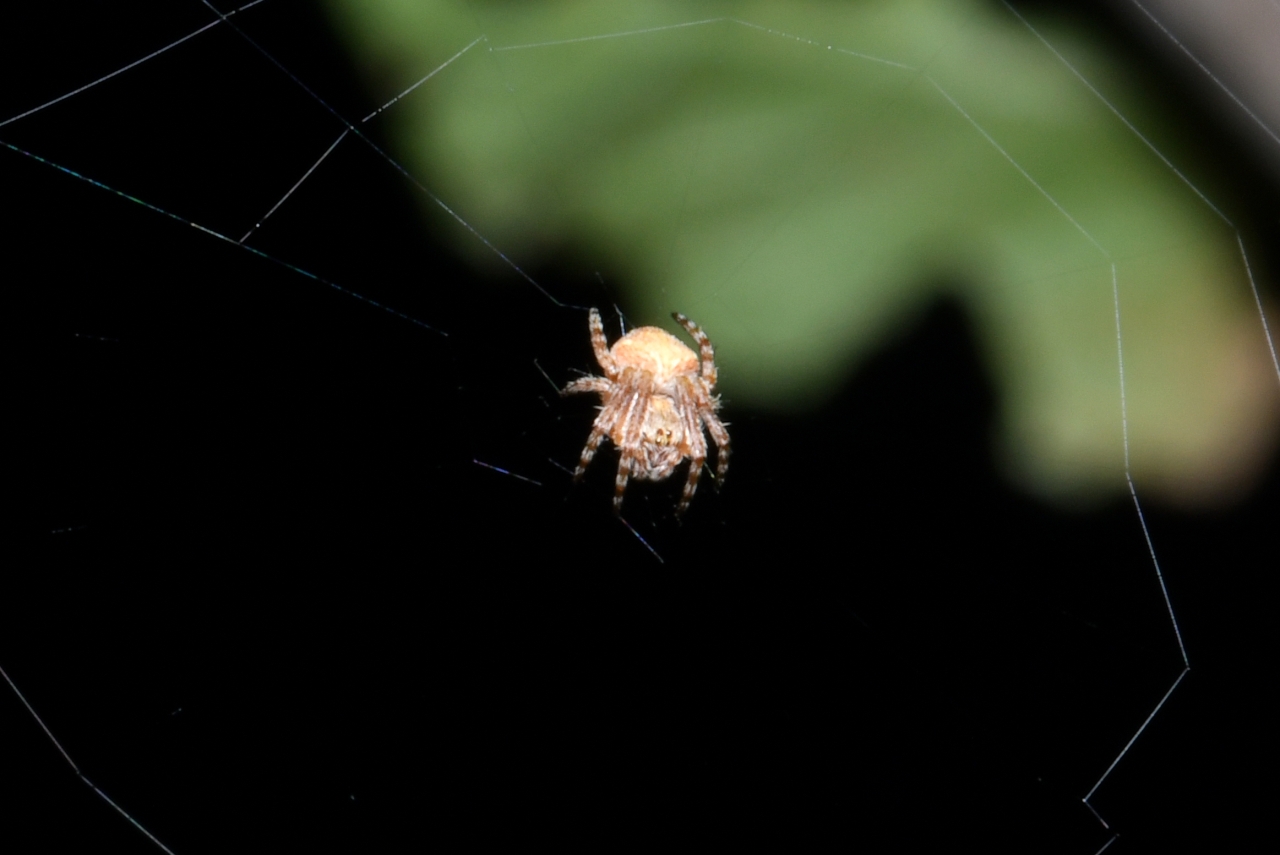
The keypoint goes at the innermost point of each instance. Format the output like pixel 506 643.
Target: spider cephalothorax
pixel 654 405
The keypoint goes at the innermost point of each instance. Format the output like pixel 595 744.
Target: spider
pixel 654 406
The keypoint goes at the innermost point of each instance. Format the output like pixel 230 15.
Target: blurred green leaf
pixel 802 179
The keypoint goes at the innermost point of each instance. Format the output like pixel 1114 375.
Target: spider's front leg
pixel 620 482
pixel 588 452
pixel 599 385
pixel 720 437
pixel 696 450
pixel 691 485
pixel 705 349
pixel 600 345
pixel 603 423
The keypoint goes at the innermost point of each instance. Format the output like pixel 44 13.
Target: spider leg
pixel 588 452
pixel 603 424
pixel 620 483
pixel 705 404
pixel 629 422
pixel 691 485
pixel 708 352
pixel 697 457
pixel 599 385
pixel 631 414
pixel 600 345
pixel 720 436
pixel 696 444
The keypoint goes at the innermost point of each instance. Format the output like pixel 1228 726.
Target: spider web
pixel 306 569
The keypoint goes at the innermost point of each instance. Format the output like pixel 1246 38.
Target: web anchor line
pixel 224 18
pixel 328 151
pixel 1199 63
pixel 302 271
pixel 348 129
pixel 103 79
pixel 1164 589
pixel 352 128
pixel 1124 411
pixel 643 542
pixel 1141 137
pixel 75 768
pixel 1266 332
pixel 1262 312
pixel 1128 472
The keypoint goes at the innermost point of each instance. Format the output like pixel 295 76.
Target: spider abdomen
pixel 656 352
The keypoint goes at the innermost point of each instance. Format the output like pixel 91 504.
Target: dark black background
pixel 267 596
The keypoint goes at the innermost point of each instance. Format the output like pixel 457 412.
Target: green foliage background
pixel 802 178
